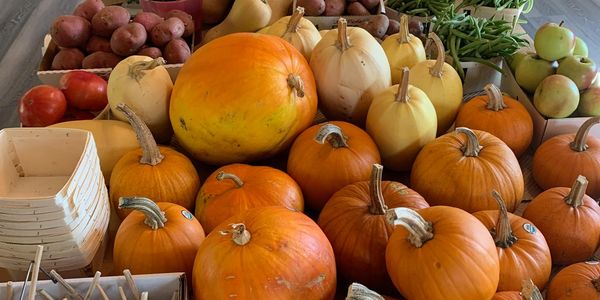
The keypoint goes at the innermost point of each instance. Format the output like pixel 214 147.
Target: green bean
pixel 463 36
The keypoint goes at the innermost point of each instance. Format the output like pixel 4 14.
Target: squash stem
pixel 292 26
pixel 437 70
pixel 343 41
pixel 357 291
pixel 575 196
pixel 420 230
pixel 472 146
pixel 155 218
pixel 530 291
pixel 404 34
pixel 579 144
pixel 150 151
pixel 138 68
pixel 239 235
pixel 503 236
pixel 222 176
pixel 496 100
pixel 402 95
pixel 295 82
pixel 377 206
pixel 596 284
pixel 332 134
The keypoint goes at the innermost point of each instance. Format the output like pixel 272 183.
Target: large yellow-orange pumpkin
pixel 242 97
pixel 235 188
pixel 577 282
pixel 265 253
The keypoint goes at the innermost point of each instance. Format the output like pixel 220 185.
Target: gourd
pixel 144 85
pixel 279 9
pixel 528 292
pixel 234 188
pixel 156 172
pixel 441 83
pixel 401 120
pixel 300 32
pixel 350 68
pixel 504 117
pixel 403 50
pixel 461 168
pixel 577 281
pixel 244 16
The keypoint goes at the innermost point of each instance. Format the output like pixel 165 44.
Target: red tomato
pixel 42 105
pixel 84 90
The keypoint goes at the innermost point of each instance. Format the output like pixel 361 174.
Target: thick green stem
pixel 332 134
pixel 377 206
pixel 138 68
pixel 438 68
pixel 150 151
pixel 503 236
pixel 402 95
pixel 496 99
pixel 575 196
pixel 419 230
pixel 222 176
pixel 155 218
pixel 472 146
pixel 343 42
pixel 239 235
pixel 579 144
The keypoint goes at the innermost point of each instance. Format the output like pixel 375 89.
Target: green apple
pixel 581 47
pixel 557 96
pixel 580 69
pixel 515 59
pixel 553 41
pixel 589 104
pixel 531 71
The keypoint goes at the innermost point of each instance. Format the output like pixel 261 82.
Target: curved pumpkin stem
pixel 402 95
pixel 579 144
pixel 239 235
pixel 332 134
pixel 377 206
pixel 150 151
pixel 596 284
pixel 437 70
pixel 503 236
pixel 155 218
pixel 238 181
pixel 138 68
pixel 404 34
pixel 530 291
pixel 496 99
pixel 472 146
pixel 575 196
pixel 292 26
pixel 357 291
pixel 343 42
pixel 420 230
pixel 295 82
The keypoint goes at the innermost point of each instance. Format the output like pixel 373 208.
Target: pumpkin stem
pixel 503 236
pixel 357 291
pixel 471 147
pixel 377 206
pixel 575 196
pixel 402 95
pixel 292 26
pixel 343 42
pixel 596 283
pixel 155 218
pixel 437 70
pixel 404 34
pixel 420 230
pixel 579 144
pixel 530 291
pixel 296 83
pixel 496 100
pixel 150 151
pixel 222 176
pixel 239 235
pixel 332 134
pixel 136 69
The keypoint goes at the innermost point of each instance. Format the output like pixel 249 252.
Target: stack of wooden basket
pixel 52 193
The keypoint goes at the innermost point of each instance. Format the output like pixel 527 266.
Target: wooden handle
pixel 131 283
pixel 36 272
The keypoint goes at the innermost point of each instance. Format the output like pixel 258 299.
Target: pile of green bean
pixel 421 8
pixel 499 4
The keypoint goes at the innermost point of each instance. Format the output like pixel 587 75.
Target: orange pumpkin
pixel 238 187
pixel 156 172
pixel 522 249
pixel 529 292
pixel 441 253
pixel 578 281
pixel 570 221
pixel 242 97
pixel 156 238
pixel 580 152
pixel 354 222
pixel 265 253
pixel 329 156
pixel 504 117
pixel 461 168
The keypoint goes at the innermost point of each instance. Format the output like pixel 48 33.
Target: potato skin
pixel 67 59
pixel 107 20
pixel 312 7
pixel 88 8
pixel 334 7
pixel 166 31
pixel 394 27
pixel 70 31
pixel 153 52
pixel 100 60
pixel 187 19
pixel 97 43
pixel 377 26
pixel 148 20
pixel 177 51
pixel 128 39
pixel 357 9
pixel 369 4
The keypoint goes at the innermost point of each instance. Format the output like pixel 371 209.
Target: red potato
pixel 166 31
pixel 369 4
pixel 100 59
pixel 88 8
pixel 394 27
pixel 334 7
pixel 312 7
pixel 67 59
pixel 70 31
pixel 151 52
pixel 177 51
pixel 41 106
pixel 357 9
pixel 128 39
pixel 107 20
pixel 186 18
pixel 97 43
pixel 148 20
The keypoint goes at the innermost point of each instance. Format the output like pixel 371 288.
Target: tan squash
pixel 279 9
pixel 244 16
pixel 403 50
pixel 297 30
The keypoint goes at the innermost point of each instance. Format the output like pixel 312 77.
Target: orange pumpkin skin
pixel 169 249
pixel 459 262
pixel 507 295
pixel 287 257
pixel 227 107
pixel 321 169
pixel 578 281
pixel 219 200
pixel 443 175
pixel 527 258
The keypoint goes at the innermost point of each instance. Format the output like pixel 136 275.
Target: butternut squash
pixel 244 16
pixel 279 9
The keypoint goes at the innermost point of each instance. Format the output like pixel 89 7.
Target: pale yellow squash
pixel 323 32
pixel 300 32
pixel 279 9
pixel 244 16
pixel 403 50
